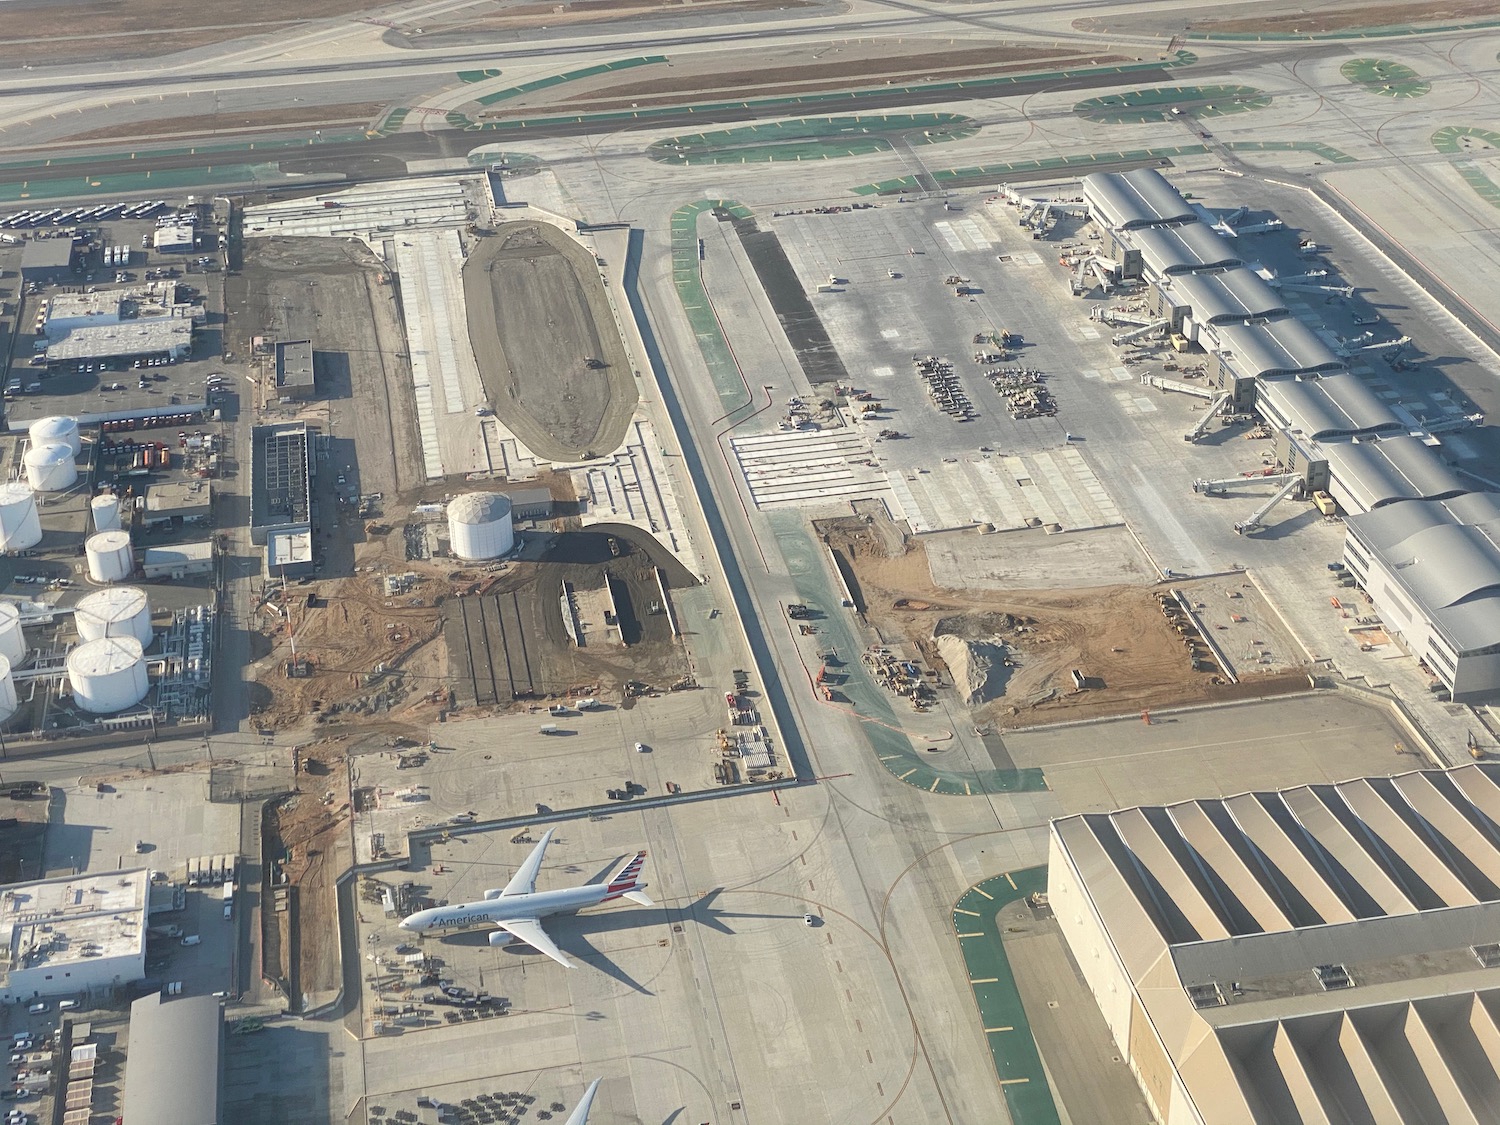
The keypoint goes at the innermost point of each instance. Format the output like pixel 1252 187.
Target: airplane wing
pixel 580 1115
pixel 523 882
pixel 530 931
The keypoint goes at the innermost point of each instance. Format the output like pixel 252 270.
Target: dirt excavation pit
pixel 553 364
pixel 1012 655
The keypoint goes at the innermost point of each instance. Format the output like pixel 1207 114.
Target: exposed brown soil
pixel 579 12
pixel 310 829
pixel 312 116
pixel 1116 636
pixel 36 34
pixel 1312 19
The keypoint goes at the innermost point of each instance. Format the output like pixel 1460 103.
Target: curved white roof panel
pixel 1183 249
pixel 1276 347
pixel 1324 406
pixel 1446 554
pixel 1227 297
pixel 1138 198
pixel 1372 474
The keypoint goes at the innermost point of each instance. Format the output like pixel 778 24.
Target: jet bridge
pixel 1143 330
pixel 1254 523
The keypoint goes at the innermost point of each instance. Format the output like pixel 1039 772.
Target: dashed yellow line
pixel 981 934
pixel 904 776
pixel 935 783
pixel 1013 1081
pixel 1011 881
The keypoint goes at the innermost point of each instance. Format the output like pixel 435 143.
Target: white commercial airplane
pixel 518 909
pixel 580 1114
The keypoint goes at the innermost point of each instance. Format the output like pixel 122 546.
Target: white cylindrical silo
pixel 7 691
pixel 57 429
pixel 109 556
pixel 479 526
pixel 107 675
pixel 20 526
pixel 121 611
pixel 12 636
pixel 105 509
pixel 50 467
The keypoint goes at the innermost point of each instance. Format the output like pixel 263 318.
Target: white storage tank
pixel 50 467
pixel 109 556
pixel 57 429
pixel 121 611
pixel 20 526
pixel 12 636
pixel 479 526
pixel 8 702
pixel 107 675
pixel 105 509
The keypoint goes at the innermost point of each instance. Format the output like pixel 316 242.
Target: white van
pixel 66 1005
pixel 548 728
pixel 192 939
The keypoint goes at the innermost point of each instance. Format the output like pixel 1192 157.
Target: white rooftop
pixel 73 919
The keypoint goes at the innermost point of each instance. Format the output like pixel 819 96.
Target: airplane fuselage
pixel 488 912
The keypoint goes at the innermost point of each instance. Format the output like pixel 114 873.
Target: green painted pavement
pixel 122 182
pixel 567 76
pixel 1387 31
pixel 1451 138
pixel 955 176
pixel 1136 106
pixel 392 123
pixel 478 75
pixel 810 138
pixel 1327 152
pixel 846 97
pixel 1002 1016
pixel 687 279
pixel 1387 78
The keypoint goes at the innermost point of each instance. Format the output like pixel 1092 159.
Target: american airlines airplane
pixel 518 909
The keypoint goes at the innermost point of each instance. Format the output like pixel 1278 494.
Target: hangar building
pixel 1329 953
pixel 174 1065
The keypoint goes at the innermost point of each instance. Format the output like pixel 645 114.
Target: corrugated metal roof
pixel 173 1063
pixel 1277 347
pixel 1140 197
pixel 1227 296
pixel 1374 473
pixel 1183 249
pixel 1314 947
pixel 1324 406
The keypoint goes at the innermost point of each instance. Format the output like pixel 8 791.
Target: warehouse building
pixel 280 480
pixel 178 561
pixel 530 503
pixel 174 1066
pixel 289 554
pixel 73 934
pixel 133 339
pixel 1320 954
pixel 294 369
pixel 187 501
pixel 47 261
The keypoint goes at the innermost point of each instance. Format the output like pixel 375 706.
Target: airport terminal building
pixel 1421 543
pixel 1329 953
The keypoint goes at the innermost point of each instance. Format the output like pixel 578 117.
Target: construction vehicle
pixel 797 611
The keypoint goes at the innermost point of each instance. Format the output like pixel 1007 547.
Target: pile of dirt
pixel 979 668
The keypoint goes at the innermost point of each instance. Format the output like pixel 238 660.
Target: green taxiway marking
pixel 1136 106
pixel 1018 1065
pixel 1385 77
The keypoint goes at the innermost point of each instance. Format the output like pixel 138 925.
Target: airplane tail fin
pixel 625 882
